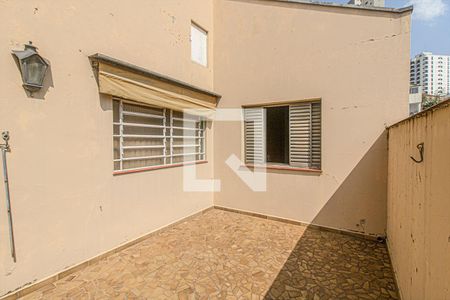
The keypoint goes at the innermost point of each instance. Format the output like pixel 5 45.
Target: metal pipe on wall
pixel 5 148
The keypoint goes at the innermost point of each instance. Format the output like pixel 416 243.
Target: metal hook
pixel 421 147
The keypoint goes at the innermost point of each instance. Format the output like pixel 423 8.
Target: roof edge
pixel 98 57
pixel 349 6
pixel 440 105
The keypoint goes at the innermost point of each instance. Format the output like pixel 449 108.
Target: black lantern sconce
pixel 32 67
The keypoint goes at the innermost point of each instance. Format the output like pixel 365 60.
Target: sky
pixel 430 30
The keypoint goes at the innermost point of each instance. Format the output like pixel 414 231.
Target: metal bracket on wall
pixel 5 148
pixel 420 147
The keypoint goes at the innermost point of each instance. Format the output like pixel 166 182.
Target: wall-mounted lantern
pixel 32 67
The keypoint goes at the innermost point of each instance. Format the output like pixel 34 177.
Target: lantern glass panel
pixel 34 69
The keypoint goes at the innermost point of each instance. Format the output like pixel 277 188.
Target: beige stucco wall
pixel 67 205
pixel 419 205
pixel 357 61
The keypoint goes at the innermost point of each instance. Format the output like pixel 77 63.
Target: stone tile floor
pixel 328 265
pixel 225 255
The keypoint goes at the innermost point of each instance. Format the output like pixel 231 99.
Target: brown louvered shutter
pixel 316 135
pixel 305 135
pixel 255 137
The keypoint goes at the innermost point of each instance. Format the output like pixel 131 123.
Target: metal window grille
pixel 146 136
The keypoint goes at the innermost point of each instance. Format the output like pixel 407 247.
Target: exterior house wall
pixel 67 206
pixel 418 205
pixel 273 51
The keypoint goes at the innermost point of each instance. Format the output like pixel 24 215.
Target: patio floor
pixel 225 255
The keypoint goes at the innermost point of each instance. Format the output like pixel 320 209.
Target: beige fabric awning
pixel 153 89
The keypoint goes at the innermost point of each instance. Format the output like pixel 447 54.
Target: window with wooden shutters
pixel 146 136
pixel 304 146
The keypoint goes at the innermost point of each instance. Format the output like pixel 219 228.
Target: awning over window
pixel 130 82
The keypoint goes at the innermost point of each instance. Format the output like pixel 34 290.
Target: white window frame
pixel 314 151
pixel 199 44
pixel 167 137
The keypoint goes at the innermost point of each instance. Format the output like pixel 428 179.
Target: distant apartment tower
pixel 432 73
pixel 378 3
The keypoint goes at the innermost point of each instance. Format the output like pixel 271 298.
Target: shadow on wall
pixel 330 265
pixel 360 202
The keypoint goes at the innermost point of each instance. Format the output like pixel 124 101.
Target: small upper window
pixel 414 90
pixel 199 45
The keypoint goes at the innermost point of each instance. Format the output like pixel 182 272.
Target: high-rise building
pixel 432 72
pixel 377 3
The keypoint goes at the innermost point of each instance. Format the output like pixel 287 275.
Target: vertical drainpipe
pixel 5 148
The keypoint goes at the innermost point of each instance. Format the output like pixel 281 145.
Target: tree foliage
pixel 429 101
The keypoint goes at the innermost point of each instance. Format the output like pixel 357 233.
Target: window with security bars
pixel 146 136
pixel 284 134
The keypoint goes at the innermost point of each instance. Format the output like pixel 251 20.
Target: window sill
pixel 284 168
pixel 145 169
